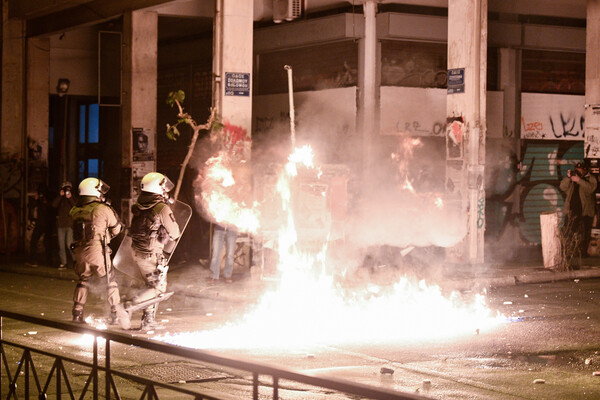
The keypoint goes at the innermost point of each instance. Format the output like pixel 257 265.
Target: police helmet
pixel 93 187
pixel 155 182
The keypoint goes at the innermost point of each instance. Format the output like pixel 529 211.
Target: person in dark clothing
pixel 64 224
pixel 580 187
pixel 152 226
pixel 40 217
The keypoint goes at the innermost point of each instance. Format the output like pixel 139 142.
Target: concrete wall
pixel 74 56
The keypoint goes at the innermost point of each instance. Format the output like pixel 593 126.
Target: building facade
pixel 85 82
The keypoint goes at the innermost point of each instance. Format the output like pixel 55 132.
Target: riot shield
pixel 123 260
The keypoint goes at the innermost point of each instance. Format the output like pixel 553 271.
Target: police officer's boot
pixel 78 316
pixel 149 322
pixel 113 318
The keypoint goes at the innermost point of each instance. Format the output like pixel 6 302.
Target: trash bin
pixel 549 222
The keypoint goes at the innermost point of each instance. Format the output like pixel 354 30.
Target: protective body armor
pixel 147 232
pixel 83 223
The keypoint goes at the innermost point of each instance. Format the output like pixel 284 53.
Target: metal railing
pixel 26 369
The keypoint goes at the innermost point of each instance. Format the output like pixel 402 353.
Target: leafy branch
pixel 177 98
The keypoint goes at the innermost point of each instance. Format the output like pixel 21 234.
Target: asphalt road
pixel 547 348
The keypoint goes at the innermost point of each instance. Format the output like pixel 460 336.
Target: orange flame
pixel 310 307
pixel 220 197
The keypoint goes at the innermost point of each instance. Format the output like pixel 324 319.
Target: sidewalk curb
pixel 219 292
pixel 528 278
pixel 49 272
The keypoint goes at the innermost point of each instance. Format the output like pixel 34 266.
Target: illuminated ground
pixel 553 336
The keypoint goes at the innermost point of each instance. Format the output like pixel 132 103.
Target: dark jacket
pixel 587 188
pixel 63 206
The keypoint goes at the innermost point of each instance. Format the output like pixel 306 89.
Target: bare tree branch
pixel 196 128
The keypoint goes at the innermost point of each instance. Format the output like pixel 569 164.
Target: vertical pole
pixel 291 98
pixel 95 369
pixel 592 91
pixel 107 375
pixel 217 58
pixel 369 63
pixel 1 346
pixel 65 156
pixel 26 360
pixel 59 370
pixel 255 385
pixel 237 31
pixel 275 388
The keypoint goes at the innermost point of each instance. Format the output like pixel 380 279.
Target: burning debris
pixel 310 305
pixel 225 194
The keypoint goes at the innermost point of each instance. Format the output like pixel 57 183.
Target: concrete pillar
pixel 466 126
pixel 592 85
pixel 139 75
pixel 12 130
pixel 368 89
pixel 510 84
pixel 38 76
pixel 592 51
pixel 232 65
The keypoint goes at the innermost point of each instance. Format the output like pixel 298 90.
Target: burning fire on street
pixel 311 306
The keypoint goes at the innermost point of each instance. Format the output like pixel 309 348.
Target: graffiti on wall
pixel 12 169
pixel 480 212
pixel 412 111
pixel 413 64
pixel 552 116
pixel 422 112
pixel 234 139
pixel 533 188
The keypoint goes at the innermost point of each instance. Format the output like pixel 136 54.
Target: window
pixel 88 123
pixel 89 160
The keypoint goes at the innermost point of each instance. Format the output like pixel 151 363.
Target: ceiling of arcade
pixel 52 16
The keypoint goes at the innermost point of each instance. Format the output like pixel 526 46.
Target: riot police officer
pixel 95 223
pixel 152 226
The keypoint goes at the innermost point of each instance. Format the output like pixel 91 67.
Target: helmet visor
pixel 167 184
pixel 102 187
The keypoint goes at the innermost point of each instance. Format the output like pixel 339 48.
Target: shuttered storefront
pixel 544 164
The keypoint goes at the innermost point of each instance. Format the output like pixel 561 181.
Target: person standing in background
pixel 580 203
pixel 64 224
pixel 41 224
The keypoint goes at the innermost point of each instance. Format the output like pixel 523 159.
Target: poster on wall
pixel 591 145
pixel 552 116
pixel 144 160
pixel 142 144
